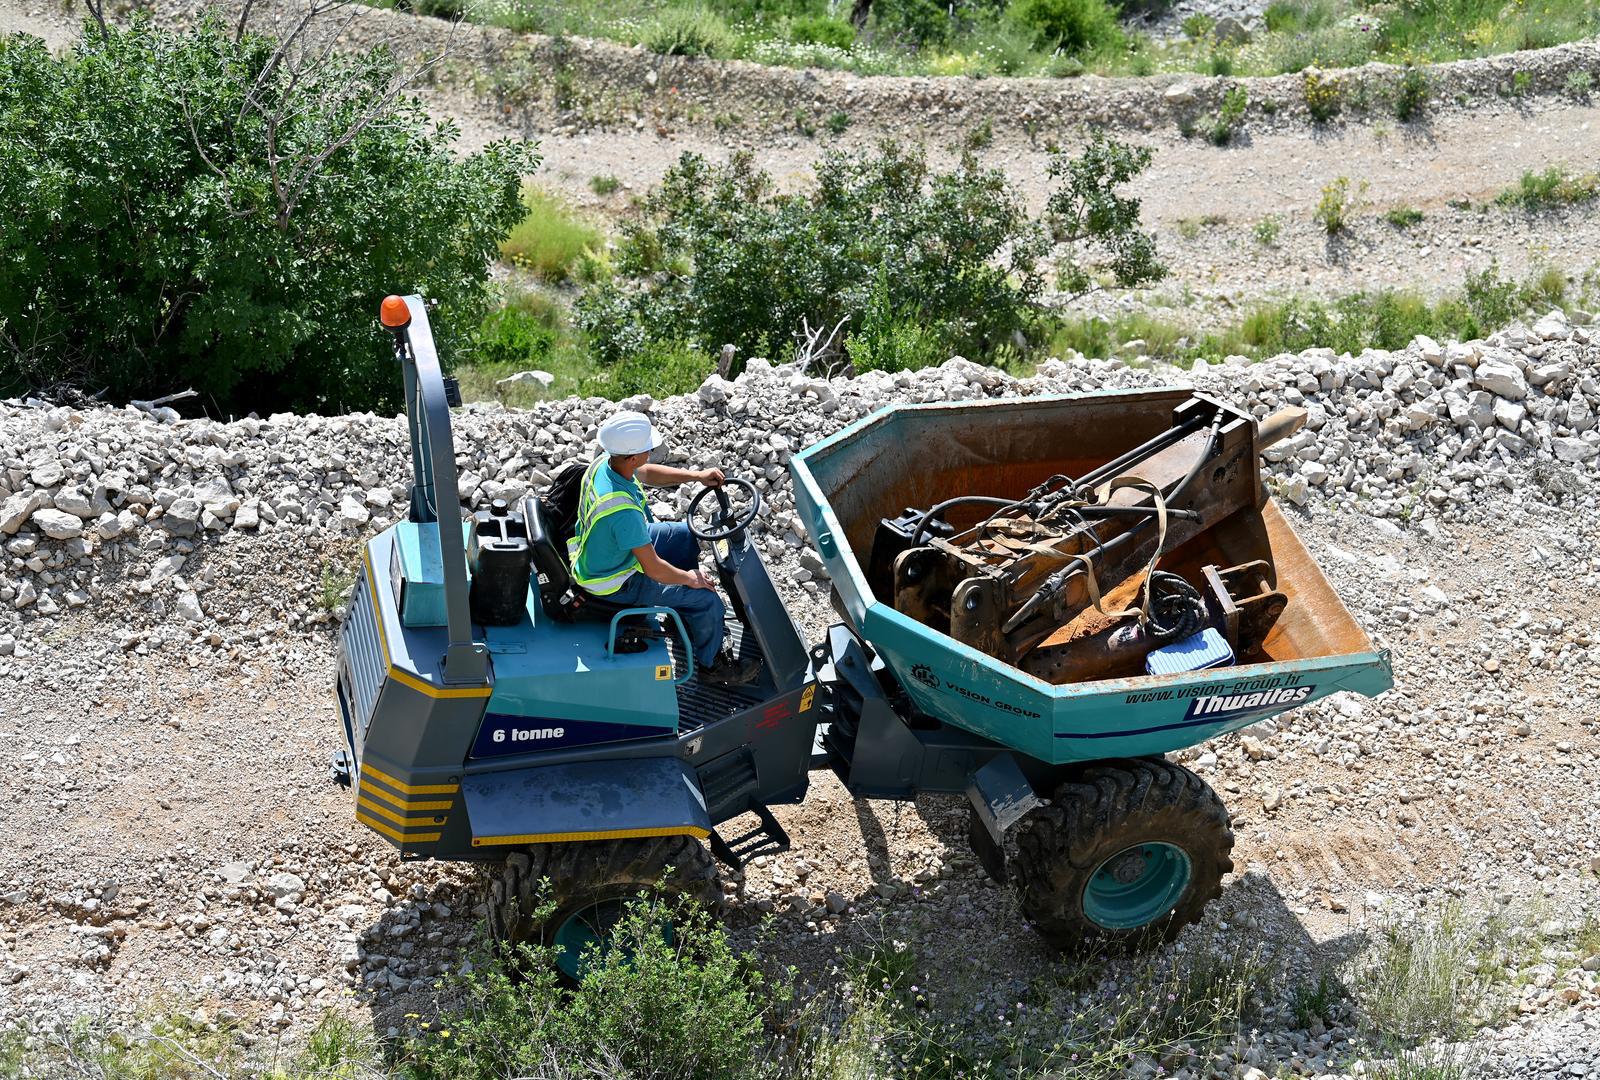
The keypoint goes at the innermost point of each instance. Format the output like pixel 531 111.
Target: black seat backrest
pixel 557 594
pixel 560 500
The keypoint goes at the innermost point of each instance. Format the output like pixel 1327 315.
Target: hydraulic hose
pixel 938 509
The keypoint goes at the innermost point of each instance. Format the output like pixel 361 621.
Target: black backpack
pixel 559 502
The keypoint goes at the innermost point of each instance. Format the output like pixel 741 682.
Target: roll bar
pixel 435 496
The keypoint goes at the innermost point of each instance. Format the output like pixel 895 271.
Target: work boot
pixel 729 670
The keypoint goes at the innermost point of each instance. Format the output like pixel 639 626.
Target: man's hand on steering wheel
pixel 711 478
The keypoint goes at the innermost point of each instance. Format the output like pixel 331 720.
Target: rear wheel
pixel 1127 852
pixel 590 883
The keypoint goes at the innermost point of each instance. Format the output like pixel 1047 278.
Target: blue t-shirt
pixel 610 546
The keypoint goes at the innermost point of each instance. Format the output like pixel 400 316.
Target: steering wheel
pixel 726 522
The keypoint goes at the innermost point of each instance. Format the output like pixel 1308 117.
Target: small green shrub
pixel 681 1004
pixel 804 123
pixel 837 122
pixel 337 580
pixel 660 368
pixel 521 334
pixel 1421 982
pixel 1521 83
pixel 1336 205
pixel 1266 231
pixel 891 340
pixel 689 31
pixel 1403 217
pixel 1549 189
pixel 1317 1001
pixel 1071 26
pixel 1198 27
pixel 1086 212
pixel 1228 118
pixel 551 239
pixel 1299 16
pixel 1219 63
pixel 822 30
pixel 604 184
pixel 1323 95
pixel 1579 84
pixel 1412 94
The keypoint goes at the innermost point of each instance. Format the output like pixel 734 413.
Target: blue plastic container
pixel 1207 649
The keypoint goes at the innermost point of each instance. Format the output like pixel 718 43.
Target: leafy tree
pixel 222 211
pixel 1087 212
pixel 717 255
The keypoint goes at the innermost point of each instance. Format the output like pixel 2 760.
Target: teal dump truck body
pixel 916 455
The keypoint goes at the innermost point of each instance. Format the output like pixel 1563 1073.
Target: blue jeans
pixel 700 609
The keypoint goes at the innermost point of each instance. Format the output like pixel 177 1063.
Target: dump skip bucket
pixel 916 456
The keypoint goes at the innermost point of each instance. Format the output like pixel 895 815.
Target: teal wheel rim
pixel 585 935
pixel 1137 886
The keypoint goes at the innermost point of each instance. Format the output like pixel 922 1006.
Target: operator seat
pixel 559 596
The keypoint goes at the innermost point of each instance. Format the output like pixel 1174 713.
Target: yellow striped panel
pixel 399 819
pixel 611 834
pixel 405 678
pixel 395 834
pixel 409 789
pixel 399 802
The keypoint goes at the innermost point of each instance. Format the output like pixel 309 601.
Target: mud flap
pixel 1000 796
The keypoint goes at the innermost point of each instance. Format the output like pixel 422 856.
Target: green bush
pixel 1228 119
pixel 1412 93
pixel 675 1004
pixel 919 23
pixel 822 30
pixel 1086 212
pixel 658 367
pixel 146 248
pixel 551 239
pixel 689 31
pixel 1072 26
pixel 1336 205
pixel 748 265
pixel 892 340
pixel 438 9
pixel 1403 217
pixel 518 334
pixel 1323 96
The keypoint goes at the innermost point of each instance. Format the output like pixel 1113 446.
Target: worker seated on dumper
pixel 619 552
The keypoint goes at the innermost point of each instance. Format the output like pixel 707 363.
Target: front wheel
pixel 1127 853
pixel 589 884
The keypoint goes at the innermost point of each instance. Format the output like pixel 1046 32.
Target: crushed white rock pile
pixel 1422 430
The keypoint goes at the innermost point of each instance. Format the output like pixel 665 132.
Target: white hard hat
pixel 627 433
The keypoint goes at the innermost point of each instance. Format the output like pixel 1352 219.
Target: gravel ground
pixel 166 662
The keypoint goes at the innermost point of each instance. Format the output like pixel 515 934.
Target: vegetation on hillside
pixel 1383 319
pixel 200 209
pixel 1047 37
